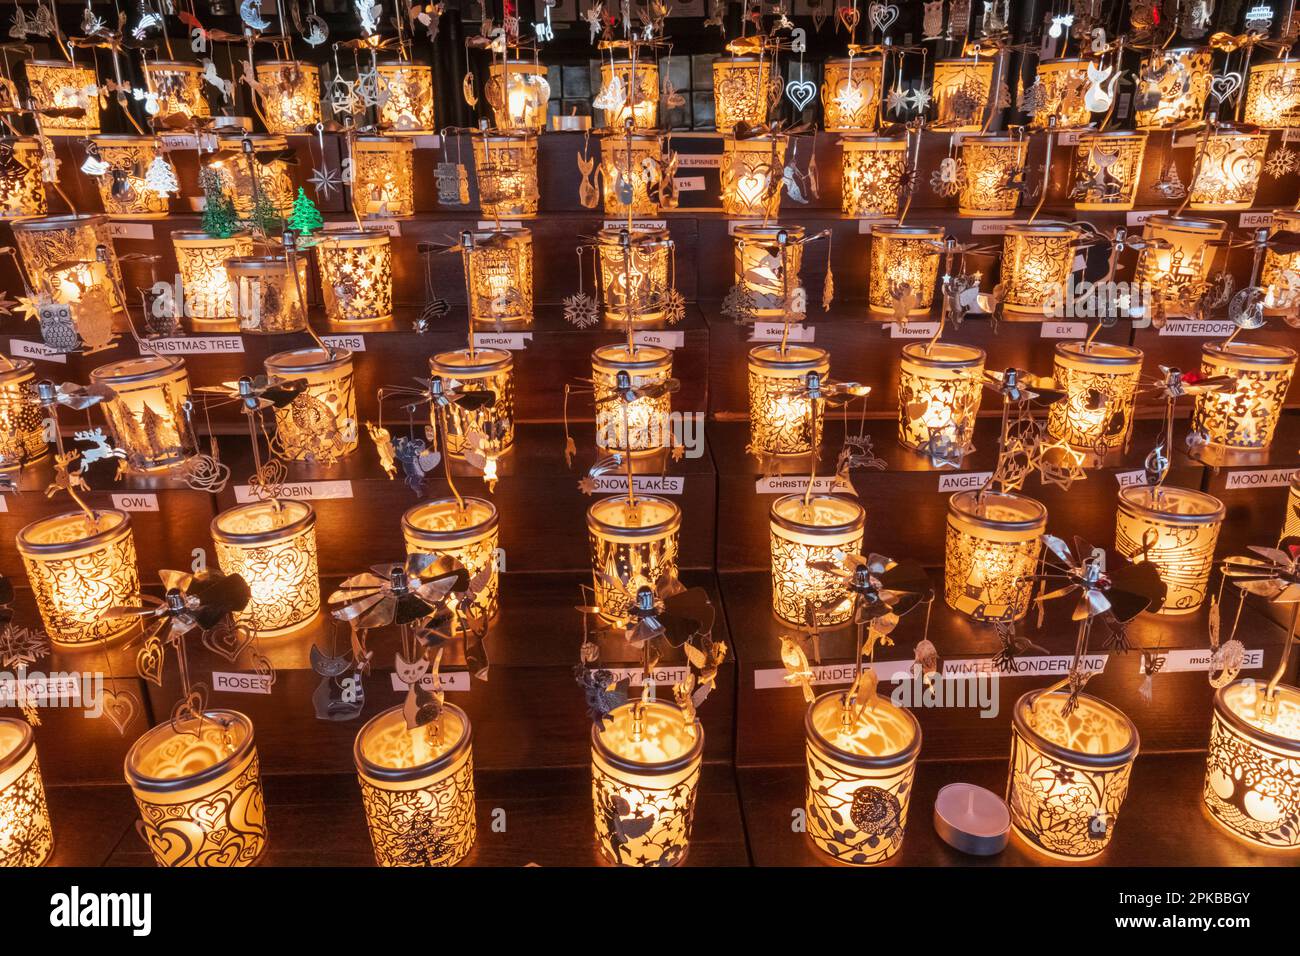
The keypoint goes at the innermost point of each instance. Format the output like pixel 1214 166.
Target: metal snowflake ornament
pixel 580 310
pixel 1283 161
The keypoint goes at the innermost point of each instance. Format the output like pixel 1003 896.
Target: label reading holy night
pixel 1259 478
pixel 353 343
pixel 659 337
pixel 195 345
pixel 136 501
pixel 510 341
pixel 796 484
pixel 641 484
pixel 130 230
pixel 179 140
pixel 1064 330
pixel 306 490
pixel 771 678
pixel 1043 665
pixel 1197 659
pixel 662 676
pixel 772 332
pixel 236 682
pixel 637 223
pixel 36 350
pixel 963 480
pixel 913 330
pixel 1198 327
pixel 452 681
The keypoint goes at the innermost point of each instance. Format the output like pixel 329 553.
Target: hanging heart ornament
pixel 800 93
pixel 882 15
pixel 1224 88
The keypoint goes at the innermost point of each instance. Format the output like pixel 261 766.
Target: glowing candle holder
pixel 645 764
pixel 1273 95
pixel 992 548
pixel 356 274
pixel 1063 83
pixel 179 88
pixel 78 570
pixel 1100 383
pixel 1280 274
pixel 637 542
pixel 383 172
pixel 939 391
pixel 1069 773
pixel 146 415
pixel 1178 273
pixel 751 175
pixel 1176 530
pixel 500 267
pixel 269 300
pixel 26 838
pixel 782 419
pixel 506 165
pixel 824 529
pixel 1250 774
pixel 641 103
pixel 272 546
pixel 1227 172
pixel 417 787
pixel 22 191
pixel 408 108
pixel 1037 260
pixel 518 92
pixel 1107 169
pixel 992 163
pixel 206 289
pixel 320 424
pixel 961 91
pixel 860 770
pixel 873 167
pixel 22 428
pixel 467 534
pixel 1245 417
pixel 1291 524
pixel 765 265
pixel 198 784
pixel 851 93
pixel 621 161
pixel 635 273
pixel 60 254
pixel 742 91
pixel 243 177
pixel 903 256
pixel 60 85
pixel 122 189
pixel 290 95
pixel 482 370
pixel 1173 86
pixel 639 427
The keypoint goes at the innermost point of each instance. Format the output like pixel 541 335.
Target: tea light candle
pixel 971 819
pixel 1175 529
pixel 1037 261
pixel 178 87
pixel 198 785
pixel 61 256
pixel 767 263
pixel 272 546
pixel 290 95
pixel 639 427
pixel 1063 83
pixel 500 264
pixel 78 569
pixel 205 284
pixel 146 415
pixel 903 259
pixel 782 420
pixel 482 370
pixel 26 838
pixel 1273 95
pixel 629 159
pixel 641 102
pixel 645 765
pixel 320 424
pixel 22 420
pixel 742 87
pixel 635 273
pixel 1250 772
pixel 1069 773
pixel 638 540
pixel 991 553
pixel 466 531
pixel 939 392
pixel 1244 417
pixel 825 528
pixel 417 787
pixel 851 88
pixel 1178 272
pixel 518 91
pixel 860 771
pixel 244 177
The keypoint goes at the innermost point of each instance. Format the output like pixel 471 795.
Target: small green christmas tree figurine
pixel 265 219
pixel 219 217
pixel 305 216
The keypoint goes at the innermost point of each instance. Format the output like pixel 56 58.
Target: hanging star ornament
pixel 326 181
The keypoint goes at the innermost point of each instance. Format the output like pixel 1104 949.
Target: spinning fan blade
pixel 687 614
pixel 473 401
pixel 219 596
pixel 282 393
pixel 1136 588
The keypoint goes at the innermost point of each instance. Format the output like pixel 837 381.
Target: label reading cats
pixel 305 490
pixel 663 339
pixel 455 682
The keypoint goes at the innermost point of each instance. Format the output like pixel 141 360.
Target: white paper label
pixel 1130 479
pixel 913 330
pixel 771 678
pixel 1064 330
pixel 140 501
pixel 195 345
pixel 1138 217
pixel 427 142
pixel 491 225
pixel 688 184
pixel 1198 327
pixel 4 505
pixel 452 681
pixel 1186 141
pixel 307 490
pixel 1068 137
pixel 390 226
pixel 179 140
pixel 667 340
pixel 637 223
pixel 866 222
pixel 36 350
pixel 353 342
pixel 1259 478
pixel 37 689
pixel 963 480
pixel 642 484
pixel 796 484
pixel 662 676
pixel 1290 135
pixel 992 227
pixel 510 341
pixel 1198 659
pixel 237 682
pixel 130 230
pixel 772 332
pixel 1254 220
pixel 1046 665
pixel 699 161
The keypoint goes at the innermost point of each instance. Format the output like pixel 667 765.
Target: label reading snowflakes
pixel 641 484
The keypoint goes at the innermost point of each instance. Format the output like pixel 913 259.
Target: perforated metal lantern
pixel 179 88
pixel 1107 169
pixel 60 85
pixel 1100 382
pixel 1273 95
pixel 851 89
pixel 500 264
pixel 635 273
pixel 1037 262
pixel 466 531
pixel 994 165
pixel 1228 167
pixel 490 370
pixel 123 189
pixel 783 418
pixel 268 297
pixel 290 95
pixel 22 190
pixel 356 275
pixel 272 545
pixel 1173 86
pixel 146 415
pixel 518 91
pixel 636 542
pixel 1280 273
pixel 767 263
pixel 641 89
pixel 804 532
pixel 939 392
pixel 1244 417
pixel 417 787
pixel 1063 83
pixel 961 92
pixel 22 420
pixel 320 424
pixel 742 91
pixel 244 176
pixel 383 183
pixel 630 166
pixel 873 169
pixel 1178 272
pixel 1176 530
pixel 198 785
pixel 1069 772
pixel 991 553
pixel 751 175
pixel 62 258
pixel 26 838
pixel 904 264
pixel 506 166
pixel 641 426
pixel 207 289
pixel 407 109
